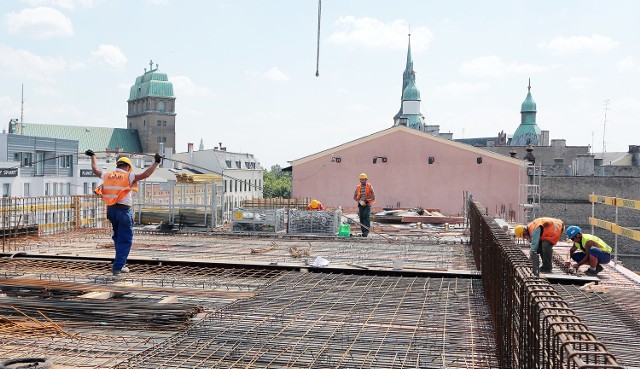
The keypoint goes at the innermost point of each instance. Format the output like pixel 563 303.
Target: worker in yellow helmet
pixel 543 233
pixel 315 205
pixel 365 196
pixel 116 193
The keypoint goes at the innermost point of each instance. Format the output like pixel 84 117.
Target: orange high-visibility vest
pixel 115 187
pixel 367 192
pixel 551 229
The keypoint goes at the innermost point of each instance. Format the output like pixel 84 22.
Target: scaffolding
pixel 529 192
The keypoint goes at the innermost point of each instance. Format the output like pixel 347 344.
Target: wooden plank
pixel 626 232
pixel 169 300
pixel 629 204
pixel 97 295
pixel 601 223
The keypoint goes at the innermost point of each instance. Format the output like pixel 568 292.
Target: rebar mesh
pixel 330 320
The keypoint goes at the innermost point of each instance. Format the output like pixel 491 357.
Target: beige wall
pixel 406 179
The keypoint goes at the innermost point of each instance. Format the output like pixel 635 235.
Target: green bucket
pixel 345 230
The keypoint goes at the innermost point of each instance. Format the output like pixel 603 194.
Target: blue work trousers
pixel 363 213
pixel 122 221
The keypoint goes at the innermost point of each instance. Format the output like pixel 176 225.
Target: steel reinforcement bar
pixel 534 326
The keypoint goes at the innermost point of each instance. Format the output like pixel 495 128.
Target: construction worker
pixel 116 192
pixel 315 205
pixel 587 249
pixel 365 197
pixel 543 233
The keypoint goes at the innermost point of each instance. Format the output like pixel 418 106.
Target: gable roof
pixel 404 129
pixel 94 138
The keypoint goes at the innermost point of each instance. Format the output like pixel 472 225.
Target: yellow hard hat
pixel 519 231
pixel 126 161
pixel 363 176
pixel 314 203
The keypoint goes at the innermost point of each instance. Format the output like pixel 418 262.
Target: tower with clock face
pixel 151 110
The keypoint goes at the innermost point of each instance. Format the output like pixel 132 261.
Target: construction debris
pixel 198 178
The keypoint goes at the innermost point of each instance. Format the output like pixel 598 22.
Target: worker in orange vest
pixel 543 233
pixel 365 197
pixel 116 193
pixel 315 205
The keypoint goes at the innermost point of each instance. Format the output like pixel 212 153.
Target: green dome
pixel 411 93
pixel 526 134
pixel 528 105
pixel 153 83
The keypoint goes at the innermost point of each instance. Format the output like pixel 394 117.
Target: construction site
pixel 300 295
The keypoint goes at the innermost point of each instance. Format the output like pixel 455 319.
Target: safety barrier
pixel 614 227
pixel 535 327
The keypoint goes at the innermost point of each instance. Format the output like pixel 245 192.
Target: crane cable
pixel 318 41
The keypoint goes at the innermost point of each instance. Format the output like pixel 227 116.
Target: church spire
pixel 408 75
pixel 528 131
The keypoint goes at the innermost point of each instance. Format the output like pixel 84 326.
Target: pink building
pixel 410 168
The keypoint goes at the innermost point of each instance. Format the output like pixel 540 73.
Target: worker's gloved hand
pixel 89 153
pixel 363 203
pixel 567 264
pixel 158 158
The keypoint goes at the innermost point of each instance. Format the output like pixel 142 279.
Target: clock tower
pixel 151 110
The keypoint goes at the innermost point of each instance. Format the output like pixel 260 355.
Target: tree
pixel 276 183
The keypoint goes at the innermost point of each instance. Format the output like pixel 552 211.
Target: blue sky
pixel 244 70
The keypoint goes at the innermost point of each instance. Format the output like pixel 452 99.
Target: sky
pixel 244 71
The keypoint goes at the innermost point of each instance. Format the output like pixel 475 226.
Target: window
pixel 164 123
pixel 238 164
pixel 65 161
pixel 159 123
pixel 55 189
pixel 68 188
pixel 228 162
pixel 39 163
pixel 225 185
pixel 164 139
pixel 25 191
pixel 93 186
pixel 6 190
pixel 47 189
pixel 85 189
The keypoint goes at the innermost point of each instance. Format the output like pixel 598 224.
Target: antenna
pixel 604 125
pixel 22 105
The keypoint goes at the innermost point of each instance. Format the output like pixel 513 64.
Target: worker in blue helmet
pixel 588 250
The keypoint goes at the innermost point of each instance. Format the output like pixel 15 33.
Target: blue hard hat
pixel 573 231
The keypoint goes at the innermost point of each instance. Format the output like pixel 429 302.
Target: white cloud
pixel 455 90
pixel 580 82
pixel 627 64
pixel 110 56
pixel 374 34
pixel 183 85
pixel 8 108
pixel 276 74
pixel 158 2
pixel 573 44
pixel 69 111
pixel 22 63
pixel 273 74
pixel 65 4
pixel 40 22
pixel 46 91
pixel 493 66
pixel 358 108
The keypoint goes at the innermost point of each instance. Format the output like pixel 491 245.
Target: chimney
pixel 190 147
pixel 634 150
